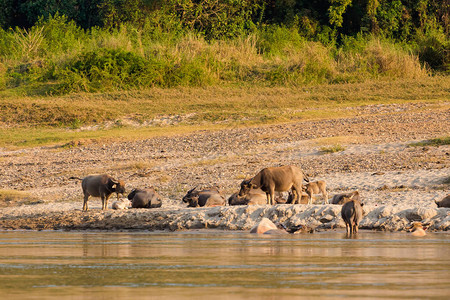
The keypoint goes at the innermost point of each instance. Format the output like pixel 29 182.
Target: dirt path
pixel 375 142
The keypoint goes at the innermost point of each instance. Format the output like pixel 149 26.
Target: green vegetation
pixel 433 142
pixel 66 65
pixel 60 47
pixel 331 149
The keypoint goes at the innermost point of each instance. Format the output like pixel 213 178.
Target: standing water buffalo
pixel 207 197
pixel 352 214
pixel 280 179
pixel 316 187
pixel 100 186
pixel 147 198
pixel 253 197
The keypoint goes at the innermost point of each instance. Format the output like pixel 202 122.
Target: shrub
pixel 108 69
pixel 434 50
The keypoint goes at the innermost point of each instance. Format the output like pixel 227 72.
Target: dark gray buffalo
pixel 444 202
pixel 100 186
pixel 352 214
pixel 146 198
pixel 276 179
pixel 206 197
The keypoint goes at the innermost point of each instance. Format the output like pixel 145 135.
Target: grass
pixel 433 142
pixel 13 198
pixel 331 149
pixel 58 120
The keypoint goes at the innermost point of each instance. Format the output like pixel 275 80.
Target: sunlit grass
pixel 433 142
pixel 67 120
pixel 331 149
pixel 12 197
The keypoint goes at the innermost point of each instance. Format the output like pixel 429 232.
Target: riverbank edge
pixel 318 217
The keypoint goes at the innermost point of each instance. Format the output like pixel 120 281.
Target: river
pixel 213 264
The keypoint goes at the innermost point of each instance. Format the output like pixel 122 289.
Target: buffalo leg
pixel 272 196
pixel 297 193
pixel 106 202
pixel 85 202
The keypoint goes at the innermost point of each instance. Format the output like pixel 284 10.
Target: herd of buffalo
pixel 264 188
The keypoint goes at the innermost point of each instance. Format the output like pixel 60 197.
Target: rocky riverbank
pixel 318 217
pixel 398 183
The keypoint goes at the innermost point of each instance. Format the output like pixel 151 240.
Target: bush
pixel 434 50
pixel 107 69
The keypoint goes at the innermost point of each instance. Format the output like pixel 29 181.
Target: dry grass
pixel 15 198
pixel 335 140
pixel 213 161
pixel 31 121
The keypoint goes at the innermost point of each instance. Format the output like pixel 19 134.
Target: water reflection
pixel 223 265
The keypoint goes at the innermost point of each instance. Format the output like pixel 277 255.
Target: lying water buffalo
pixel 253 197
pixel 280 179
pixel 100 186
pixel 352 214
pixel 207 197
pixel 316 187
pixel 341 198
pixel 444 202
pixel 418 229
pixel 147 198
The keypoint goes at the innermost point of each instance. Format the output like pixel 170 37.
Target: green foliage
pixel 215 19
pixel 106 68
pixel 57 56
pixel 433 142
pixel 433 49
pixel 331 149
pixel 274 40
pixel 336 11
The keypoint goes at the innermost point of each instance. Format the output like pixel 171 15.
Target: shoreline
pixel 318 217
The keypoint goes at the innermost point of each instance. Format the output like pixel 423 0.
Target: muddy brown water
pixel 222 265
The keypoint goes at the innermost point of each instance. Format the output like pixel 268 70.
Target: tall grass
pixel 57 57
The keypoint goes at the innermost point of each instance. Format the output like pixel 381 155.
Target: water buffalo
pixel 418 229
pixel 253 197
pixel 316 187
pixel 352 214
pixel 304 199
pixel 100 186
pixel 207 197
pixel 147 198
pixel 341 198
pixel 444 202
pixel 280 179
